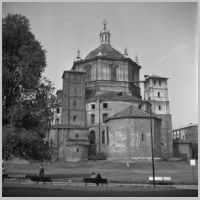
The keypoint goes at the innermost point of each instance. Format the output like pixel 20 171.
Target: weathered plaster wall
pixel 131 138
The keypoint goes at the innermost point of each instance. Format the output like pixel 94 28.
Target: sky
pixel 163 35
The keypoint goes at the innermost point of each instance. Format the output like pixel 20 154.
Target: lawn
pixel 139 171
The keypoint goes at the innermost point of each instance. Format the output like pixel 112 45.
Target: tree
pixel 34 110
pixel 27 98
pixel 23 60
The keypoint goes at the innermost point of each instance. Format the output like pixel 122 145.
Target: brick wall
pixel 73 102
pixel 182 150
pixel 131 138
pixel 166 135
pixel 66 150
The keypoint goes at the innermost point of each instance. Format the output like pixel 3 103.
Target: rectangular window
pixel 105 116
pixel 159 107
pixel 159 83
pixel 154 82
pixel 92 118
pixel 92 106
pixel 142 137
pixel 105 105
pixel 57 110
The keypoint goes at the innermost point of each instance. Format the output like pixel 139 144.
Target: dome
pixel 104 50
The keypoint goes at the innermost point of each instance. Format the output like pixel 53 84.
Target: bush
pixel 24 144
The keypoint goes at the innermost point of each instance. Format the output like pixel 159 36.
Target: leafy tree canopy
pixel 23 60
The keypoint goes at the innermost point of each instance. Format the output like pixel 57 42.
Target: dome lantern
pixel 78 57
pixel 104 34
pixel 125 53
pixel 136 59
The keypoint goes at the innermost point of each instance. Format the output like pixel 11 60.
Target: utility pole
pixel 99 126
pixel 152 146
pixel 152 143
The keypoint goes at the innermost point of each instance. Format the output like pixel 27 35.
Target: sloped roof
pixel 115 96
pixel 155 76
pixel 104 50
pixel 132 112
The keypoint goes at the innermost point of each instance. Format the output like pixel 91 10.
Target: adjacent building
pixel 185 142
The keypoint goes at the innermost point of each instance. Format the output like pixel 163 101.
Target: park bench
pixel 43 179
pixel 159 180
pixel 19 177
pixel 97 181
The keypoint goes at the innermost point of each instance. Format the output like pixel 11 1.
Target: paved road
pixel 48 190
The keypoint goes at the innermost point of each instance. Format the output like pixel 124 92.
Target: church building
pixel 100 112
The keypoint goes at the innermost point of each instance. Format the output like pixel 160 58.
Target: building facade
pixel 101 96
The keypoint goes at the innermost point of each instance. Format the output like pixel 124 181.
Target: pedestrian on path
pixel 41 172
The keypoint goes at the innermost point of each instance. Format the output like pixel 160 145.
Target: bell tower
pixel 156 92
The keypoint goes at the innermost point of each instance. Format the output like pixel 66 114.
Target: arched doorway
pixel 92 137
pixel 92 146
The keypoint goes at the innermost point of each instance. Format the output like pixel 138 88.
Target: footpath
pixel 78 182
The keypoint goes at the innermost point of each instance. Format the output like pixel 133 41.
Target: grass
pixel 138 172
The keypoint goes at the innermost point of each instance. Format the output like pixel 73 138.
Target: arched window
pixel 106 38
pixel 103 136
pixel 107 134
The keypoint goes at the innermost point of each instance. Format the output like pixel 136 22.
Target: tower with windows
pixel 156 93
pixel 73 104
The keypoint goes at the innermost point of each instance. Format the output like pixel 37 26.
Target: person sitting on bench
pixel 93 175
pixel 99 176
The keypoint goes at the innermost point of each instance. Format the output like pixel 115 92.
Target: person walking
pixel 41 172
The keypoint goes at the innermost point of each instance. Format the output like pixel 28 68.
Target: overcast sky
pixel 163 35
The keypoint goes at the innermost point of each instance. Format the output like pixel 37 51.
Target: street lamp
pixel 152 144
